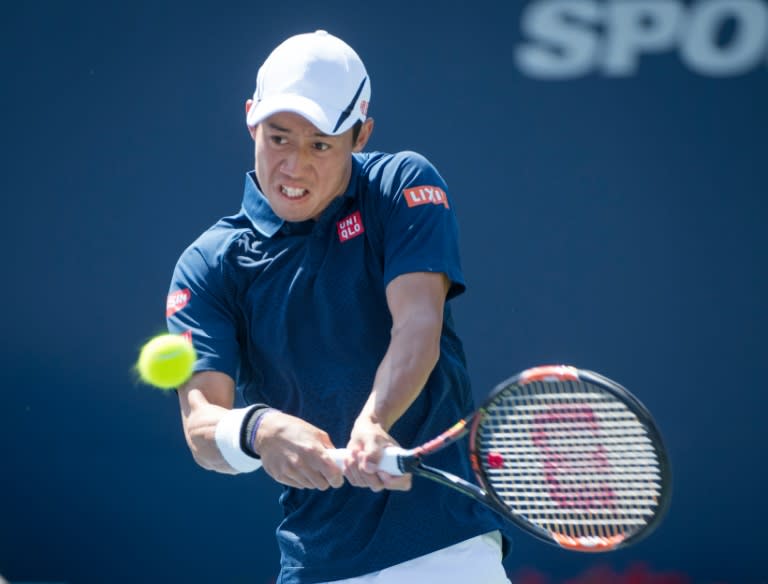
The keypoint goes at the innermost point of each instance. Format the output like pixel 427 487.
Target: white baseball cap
pixel 317 76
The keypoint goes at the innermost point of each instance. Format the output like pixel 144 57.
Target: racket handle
pixel 389 463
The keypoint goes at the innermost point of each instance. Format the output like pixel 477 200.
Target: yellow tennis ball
pixel 166 361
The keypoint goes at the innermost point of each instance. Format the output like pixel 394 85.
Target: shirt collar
pixel 264 219
pixel 257 209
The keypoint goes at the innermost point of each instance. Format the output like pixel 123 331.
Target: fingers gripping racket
pixel 565 454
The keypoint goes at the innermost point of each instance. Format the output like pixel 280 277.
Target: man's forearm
pixel 413 351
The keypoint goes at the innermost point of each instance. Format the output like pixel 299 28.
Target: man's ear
pixel 251 129
pixel 365 133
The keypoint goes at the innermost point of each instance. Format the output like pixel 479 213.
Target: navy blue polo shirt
pixel 296 313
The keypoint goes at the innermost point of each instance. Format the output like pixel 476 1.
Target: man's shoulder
pixel 212 247
pixel 378 163
pixel 387 174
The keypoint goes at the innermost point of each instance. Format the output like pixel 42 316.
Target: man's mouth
pixel 292 193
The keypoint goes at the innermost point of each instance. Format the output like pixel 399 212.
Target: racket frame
pixel 568 373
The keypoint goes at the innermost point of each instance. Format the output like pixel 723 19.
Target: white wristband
pixel 228 432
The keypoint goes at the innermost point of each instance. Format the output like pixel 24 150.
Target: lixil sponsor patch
pixel 425 195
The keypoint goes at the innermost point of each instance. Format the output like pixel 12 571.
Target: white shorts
pixel 476 560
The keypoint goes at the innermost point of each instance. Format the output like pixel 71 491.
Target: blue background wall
pixel 613 218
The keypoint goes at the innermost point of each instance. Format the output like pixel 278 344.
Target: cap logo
pixel 425 195
pixel 176 301
pixel 351 107
pixel 363 107
pixel 350 227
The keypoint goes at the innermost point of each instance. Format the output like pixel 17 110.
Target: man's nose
pixel 294 162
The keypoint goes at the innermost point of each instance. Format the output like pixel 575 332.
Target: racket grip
pixel 389 463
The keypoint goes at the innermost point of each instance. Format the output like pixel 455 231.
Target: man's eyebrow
pixel 278 128
pixel 274 126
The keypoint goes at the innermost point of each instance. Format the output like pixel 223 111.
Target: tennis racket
pixel 565 454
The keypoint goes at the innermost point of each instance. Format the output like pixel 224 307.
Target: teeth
pixel 291 192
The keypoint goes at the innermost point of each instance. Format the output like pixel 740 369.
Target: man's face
pixel 301 170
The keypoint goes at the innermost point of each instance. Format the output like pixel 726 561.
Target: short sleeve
pixel 200 307
pixel 420 230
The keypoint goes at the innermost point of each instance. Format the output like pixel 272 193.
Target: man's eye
pixel 278 139
pixel 322 146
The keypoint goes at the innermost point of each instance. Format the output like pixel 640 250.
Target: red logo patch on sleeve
pixel 350 227
pixel 176 301
pixel 425 195
pixel 187 336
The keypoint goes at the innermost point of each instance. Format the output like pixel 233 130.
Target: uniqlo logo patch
pixel 187 336
pixel 350 227
pixel 176 301
pixel 425 195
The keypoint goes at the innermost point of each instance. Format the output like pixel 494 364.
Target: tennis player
pixel 321 316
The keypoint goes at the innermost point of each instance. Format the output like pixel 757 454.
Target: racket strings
pixel 576 460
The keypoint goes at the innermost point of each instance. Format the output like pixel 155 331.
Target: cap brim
pixel 299 105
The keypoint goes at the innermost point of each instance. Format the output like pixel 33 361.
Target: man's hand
pixel 293 452
pixel 366 447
